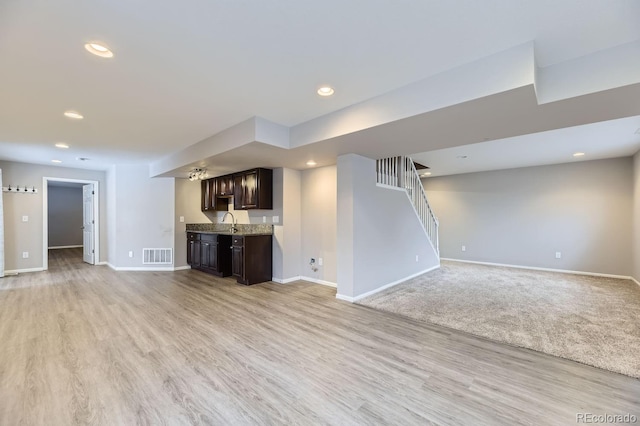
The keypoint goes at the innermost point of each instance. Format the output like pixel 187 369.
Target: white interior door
pixel 88 224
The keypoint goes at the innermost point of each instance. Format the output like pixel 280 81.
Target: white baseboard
pixel 634 280
pixel 23 271
pixel 181 268
pixel 285 280
pixel 317 281
pixel 303 278
pixel 142 268
pixel 384 287
pixel 534 268
pixel 64 247
pixel 101 263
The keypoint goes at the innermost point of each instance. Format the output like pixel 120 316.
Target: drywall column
pixel 635 235
pixel 347 170
pixel 381 241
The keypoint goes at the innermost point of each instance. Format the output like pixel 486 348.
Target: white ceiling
pixel 184 71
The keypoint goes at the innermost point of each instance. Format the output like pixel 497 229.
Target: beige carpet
pixel 591 320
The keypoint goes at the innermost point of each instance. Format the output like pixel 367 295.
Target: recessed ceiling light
pixel 311 163
pixel 461 156
pixel 326 91
pixel 56 161
pixel 578 154
pixel 62 145
pixel 73 114
pixel 99 49
pixel 426 174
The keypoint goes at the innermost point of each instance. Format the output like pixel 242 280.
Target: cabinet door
pixel 238 193
pixel 225 186
pixel 207 195
pixel 193 253
pixel 250 190
pixel 237 261
pixel 208 255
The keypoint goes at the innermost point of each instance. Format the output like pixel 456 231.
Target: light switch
pixel 25 218
pixel 276 219
pixel 181 219
pixel 264 219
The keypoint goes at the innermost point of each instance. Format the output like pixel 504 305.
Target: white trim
pixel 535 268
pixel 103 263
pixel 634 280
pixel 285 280
pixel 318 281
pixel 146 269
pixel 45 216
pixel 63 247
pixel 396 188
pixel 384 287
pixel 22 271
pixel 181 268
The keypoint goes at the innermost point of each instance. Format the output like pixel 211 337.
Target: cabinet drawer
pixel 193 236
pixel 209 238
pixel 238 241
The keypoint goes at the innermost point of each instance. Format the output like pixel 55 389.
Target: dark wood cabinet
pixel 253 189
pixel 207 198
pixel 224 186
pixel 209 253
pixel 252 258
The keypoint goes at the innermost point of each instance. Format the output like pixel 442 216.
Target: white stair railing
pixel 401 172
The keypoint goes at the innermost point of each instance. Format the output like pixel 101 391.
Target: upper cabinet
pixel 207 195
pixel 224 186
pixel 253 189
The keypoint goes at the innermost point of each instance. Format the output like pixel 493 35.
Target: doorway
pixel 71 220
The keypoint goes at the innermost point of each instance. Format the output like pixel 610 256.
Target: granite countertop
pixel 225 229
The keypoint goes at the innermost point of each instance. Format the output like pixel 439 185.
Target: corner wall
pixel 143 216
pixel 379 233
pixel 28 236
pixel 524 216
pixel 635 235
pixel 318 228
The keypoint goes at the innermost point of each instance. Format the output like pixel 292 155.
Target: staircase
pixel 400 172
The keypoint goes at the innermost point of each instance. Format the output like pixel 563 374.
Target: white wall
pixel 28 236
pixel 286 234
pixel 187 204
pixel 379 233
pixel 319 223
pixel 635 235
pixel 65 216
pixel 144 214
pixel 524 216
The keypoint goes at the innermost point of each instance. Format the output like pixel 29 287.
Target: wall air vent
pixel 157 256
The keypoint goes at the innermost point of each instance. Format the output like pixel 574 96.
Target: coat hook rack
pixel 20 189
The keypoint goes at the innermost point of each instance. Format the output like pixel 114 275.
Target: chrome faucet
pixel 234 228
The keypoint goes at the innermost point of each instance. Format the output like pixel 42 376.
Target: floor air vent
pixel 157 256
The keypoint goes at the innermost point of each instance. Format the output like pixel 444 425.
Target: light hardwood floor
pixel 82 344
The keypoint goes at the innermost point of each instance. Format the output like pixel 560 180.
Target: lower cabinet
pixel 209 253
pixel 251 258
pixel 247 257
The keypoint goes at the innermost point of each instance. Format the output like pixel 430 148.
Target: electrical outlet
pixel 276 219
pixel 464 248
pixel 264 219
pixel 181 219
pixel 312 261
pixel 25 254
pixel 320 262
pixel 130 253
pixel 25 218
pixel 558 255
